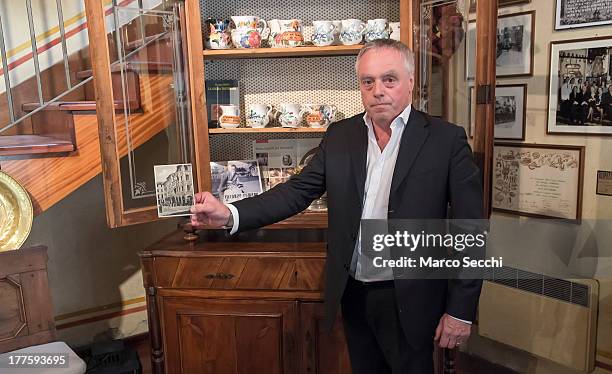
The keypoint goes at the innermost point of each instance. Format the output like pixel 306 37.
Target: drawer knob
pixel 219 276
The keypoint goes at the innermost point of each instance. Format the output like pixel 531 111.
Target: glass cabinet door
pixel 146 115
pixel 454 70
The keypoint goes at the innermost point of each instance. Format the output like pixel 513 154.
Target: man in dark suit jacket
pixel 391 162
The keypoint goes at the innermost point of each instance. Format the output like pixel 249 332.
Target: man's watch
pixel 230 222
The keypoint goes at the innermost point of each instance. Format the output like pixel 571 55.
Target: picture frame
pixel 510 111
pixel 500 3
pixel 515 46
pixel 572 14
pixel 604 183
pixel 579 87
pixel 538 180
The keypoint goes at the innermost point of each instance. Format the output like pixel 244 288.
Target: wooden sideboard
pixel 251 304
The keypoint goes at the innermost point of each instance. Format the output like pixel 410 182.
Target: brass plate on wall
pixel 16 213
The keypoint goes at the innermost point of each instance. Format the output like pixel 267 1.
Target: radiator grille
pixel 559 289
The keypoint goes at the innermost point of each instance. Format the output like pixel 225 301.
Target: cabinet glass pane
pixel 441 38
pixel 151 99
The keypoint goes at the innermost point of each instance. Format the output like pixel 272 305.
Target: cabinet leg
pixel 157 351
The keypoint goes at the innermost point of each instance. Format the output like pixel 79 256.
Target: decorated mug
pixel 290 114
pixel 291 33
pixel 246 38
pixel 323 34
pixel 318 115
pixel 352 31
pixel 258 115
pixel 230 117
pixel 249 22
pixel 376 29
pixel 218 36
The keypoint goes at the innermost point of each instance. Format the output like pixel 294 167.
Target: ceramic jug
pixel 218 34
pixel 291 33
pixel 290 114
pixel 323 34
pixel 258 115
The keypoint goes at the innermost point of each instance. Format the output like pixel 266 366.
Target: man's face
pixel 385 84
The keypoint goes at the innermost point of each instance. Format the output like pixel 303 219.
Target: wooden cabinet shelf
pixel 305 51
pixel 242 130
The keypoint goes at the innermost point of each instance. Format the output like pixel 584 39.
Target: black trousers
pixel 374 335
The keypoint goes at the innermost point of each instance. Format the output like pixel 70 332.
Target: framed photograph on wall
pixel 515 41
pixel 538 180
pixel 571 14
pixel 500 3
pixel 580 88
pixel 510 111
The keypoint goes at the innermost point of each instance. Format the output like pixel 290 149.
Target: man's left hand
pixel 451 332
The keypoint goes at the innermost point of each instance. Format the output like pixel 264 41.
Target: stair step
pixel 13 145
pixel 78 106
pixel 132 67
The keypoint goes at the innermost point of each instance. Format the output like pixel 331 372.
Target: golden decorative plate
pixel 16 213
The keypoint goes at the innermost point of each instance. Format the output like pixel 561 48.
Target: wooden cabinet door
pixel 206 336
pixel 322 352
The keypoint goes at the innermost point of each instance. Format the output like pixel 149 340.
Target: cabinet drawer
pixel 240 272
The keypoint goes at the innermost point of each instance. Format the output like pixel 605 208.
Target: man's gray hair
pixel 395 45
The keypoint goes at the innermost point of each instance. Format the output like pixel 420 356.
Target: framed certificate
pixel 538 180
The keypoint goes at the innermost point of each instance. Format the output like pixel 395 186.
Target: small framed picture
pixel 510 111
pixel 580 87
pixel 174 190
pixel 500 3
pixel 515 43
pixel 604 183
pixel 579 13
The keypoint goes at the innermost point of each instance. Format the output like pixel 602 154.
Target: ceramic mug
pixel 377 29
pixel 258 115
pixel 230 117
pixel 337 28
pixel 290 114
pixel 291 33
pixel 394 27
pixel 318 115
pixel 352 31
pixel 218 34
pixel 275 33
pixel 323 34
pixel 246 38
pixel 249 22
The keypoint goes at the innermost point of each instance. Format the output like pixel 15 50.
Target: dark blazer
pixel 434 168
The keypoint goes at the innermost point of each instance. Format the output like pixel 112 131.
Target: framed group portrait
pixel 571 14
pixel 515 44
pixel 580 87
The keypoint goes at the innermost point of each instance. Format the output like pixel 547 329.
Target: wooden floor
pixel 466 364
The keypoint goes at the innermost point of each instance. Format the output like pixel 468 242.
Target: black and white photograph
pixel 580 92
pixel 235 180
pixel 515 42
pixel 510 113
pixel 500 3
pixel 582 13
pixel 174 189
